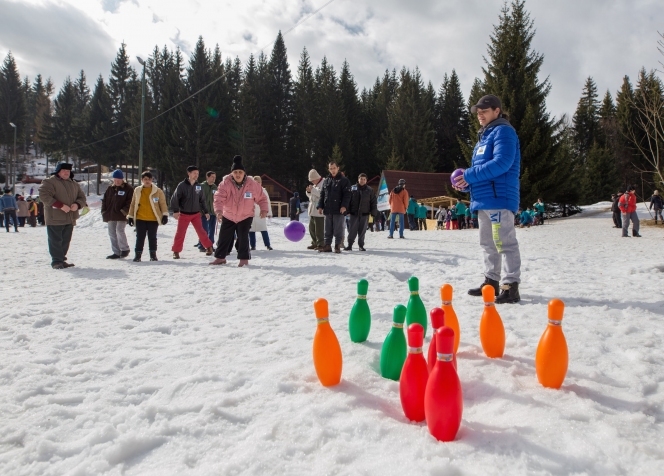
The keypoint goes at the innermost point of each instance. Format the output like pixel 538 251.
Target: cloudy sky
pixel 605 39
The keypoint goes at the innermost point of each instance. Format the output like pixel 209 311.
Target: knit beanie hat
pixel 313 176
pixel 237 163
pixel 191 168
pixel 118 174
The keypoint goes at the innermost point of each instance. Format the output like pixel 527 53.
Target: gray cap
pixel 489 101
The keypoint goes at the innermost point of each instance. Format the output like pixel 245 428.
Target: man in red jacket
pixel 627 206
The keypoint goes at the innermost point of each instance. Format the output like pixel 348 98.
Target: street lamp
pixel 11 167
pixel 140 152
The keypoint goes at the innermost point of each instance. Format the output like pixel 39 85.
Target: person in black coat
pixel 333 203
pixel 362 204
pixel 656 202
pixel 617 217
pixel 294 207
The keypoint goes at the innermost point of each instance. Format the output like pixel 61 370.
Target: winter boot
pixel 269 248
pixel 349 247
pixel 209 251
pixel 326 249
pixel 153 256
pixel 509 294
pixel 176 255
pixel 243 262
pixel 312 247
pixel 137 256
pixel 337 249
pixel 218 261
pixel 490 282
pixel 362 248
pixel 636 234
pixel 113 256
pixel 124 254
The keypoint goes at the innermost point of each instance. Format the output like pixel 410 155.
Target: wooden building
pixel 279 196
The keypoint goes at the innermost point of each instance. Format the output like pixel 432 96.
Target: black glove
pixel 164 220
pixel 130 221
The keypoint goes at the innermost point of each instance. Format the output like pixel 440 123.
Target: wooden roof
pixel 420 185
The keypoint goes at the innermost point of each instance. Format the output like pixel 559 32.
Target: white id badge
pixel 248 195
pixel 481 150
pixel 155 199
pixel 198 188
pixel 121 193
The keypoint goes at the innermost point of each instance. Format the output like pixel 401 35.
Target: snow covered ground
pixel 174 367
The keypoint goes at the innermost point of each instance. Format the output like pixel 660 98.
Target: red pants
pixel 181 232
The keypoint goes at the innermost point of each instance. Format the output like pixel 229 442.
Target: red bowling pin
pixel 414 375
pixel 437 321
pixel 443 399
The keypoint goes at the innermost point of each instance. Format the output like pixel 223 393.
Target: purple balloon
pixel 455 174
pixel 294 231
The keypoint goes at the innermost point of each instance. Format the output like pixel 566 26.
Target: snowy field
pixel 175 367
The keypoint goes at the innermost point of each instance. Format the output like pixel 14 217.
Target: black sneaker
pixel 490 282
pixel 362 248
pixel 509 294
pixel 113 256
pixel 269 248
pixel 153 256
pixel 58 266
pixel 636 234
pixel 348 248
pixel 137 257
pixel 124 254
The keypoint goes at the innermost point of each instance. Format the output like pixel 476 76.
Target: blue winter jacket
pixel 8 201
pixel 494 176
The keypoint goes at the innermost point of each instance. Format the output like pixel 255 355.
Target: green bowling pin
pixel 416 310
pixel 359 322
pixel 393 353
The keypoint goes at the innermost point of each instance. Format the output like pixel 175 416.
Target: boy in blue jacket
pixel 493 183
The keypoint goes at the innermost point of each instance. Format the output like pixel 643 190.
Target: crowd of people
pixel 340 213
pixel 17 210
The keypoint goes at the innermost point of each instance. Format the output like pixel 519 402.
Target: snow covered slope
pixel 175 367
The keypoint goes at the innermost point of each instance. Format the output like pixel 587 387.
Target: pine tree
pixel 12 103
pixel 100 126
pixel 600 178
pixel 586 119
pixel 121 74
pixel 512 74
pixel 62 133
pixel 303 125
pixel 41 110
pixel 476 93
pixel 411 133
pixel 352 113
pixel 330 125
pixel 626 118
pixel 451 124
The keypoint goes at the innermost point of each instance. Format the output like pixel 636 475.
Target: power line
pixel 203 88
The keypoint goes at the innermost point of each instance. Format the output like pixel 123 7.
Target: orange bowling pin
pixel 327 352
pixel 492 332
pixel 551 358
pixel 451 320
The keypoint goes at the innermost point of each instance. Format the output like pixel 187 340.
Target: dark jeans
pixel 334 228
pixel 358 228
pixel 59 237
pixel 21 221
pixel 227 235
pixel 146 228
pixel 423 223
pixel 617 219
pixel 11 214
pixel 412 222
pixel 264 234
pixel 208 226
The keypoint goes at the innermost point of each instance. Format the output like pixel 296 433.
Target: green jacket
pixel 421 211
pixel 460 208
pixel 412 207
pixel 208 194
pixel 539 207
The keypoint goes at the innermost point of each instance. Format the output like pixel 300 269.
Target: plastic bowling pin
pixel 414 376
pixel 451 320
pixel 416 310
pixel 359 322
pixel 393 352
pixel 492 332
pixel 438 320
pixel 552 358
pixel 327 352
pixel 443 398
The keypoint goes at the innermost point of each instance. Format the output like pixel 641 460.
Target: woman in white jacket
pixel 260 224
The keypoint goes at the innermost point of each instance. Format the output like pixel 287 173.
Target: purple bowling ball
pixel 455 174
pixel 294 231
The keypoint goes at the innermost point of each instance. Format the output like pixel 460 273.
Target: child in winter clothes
pixel 234 202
